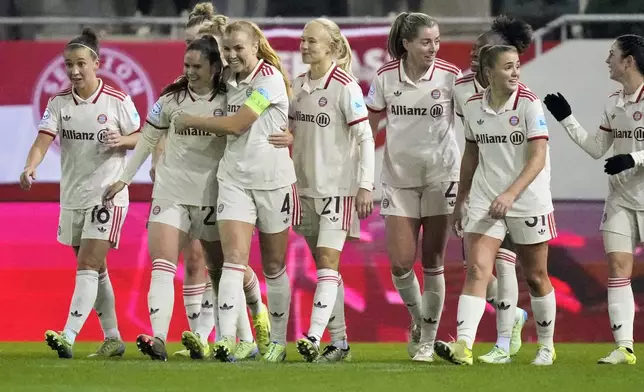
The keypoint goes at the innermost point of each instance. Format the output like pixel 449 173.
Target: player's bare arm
pixel 537 150
pixel 237 124
pixel 34 158
pixel 128 142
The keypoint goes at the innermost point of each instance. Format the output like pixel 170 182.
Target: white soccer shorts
pixel 199 222
pixel 97 223
pixel 622 228
pixel 329 219
pixel 420 202
pixel 272 211
pixel 524 230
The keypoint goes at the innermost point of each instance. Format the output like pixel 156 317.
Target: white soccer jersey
pixel 87 165
pixel 187 171
pixel 502 139
pixel 420 146
pixel 330 120
pixel 250 161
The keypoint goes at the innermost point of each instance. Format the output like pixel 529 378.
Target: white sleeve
pixel 376 97
pixel 536 126
pixel 352 104
pixel 128 117
pixel 50 119
pixel 158 116
pixel 147 142
pixel 469 135
pixel 596 146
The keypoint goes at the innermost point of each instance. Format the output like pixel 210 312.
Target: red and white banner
pixel 141 69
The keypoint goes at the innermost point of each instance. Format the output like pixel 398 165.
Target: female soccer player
pixel 503 294
pixel 505 173
pixel 204 20
pixel 256 182
pixel 96 124
pixel 622 224
pixel 420 169
pixel 185 191
pixel 333 154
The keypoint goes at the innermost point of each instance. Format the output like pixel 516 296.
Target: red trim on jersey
pixel 552 226
pixel 157 127
pixel 470 141
pixel 296 211
pixel 112 89
pixel 615 93
pixel 47 132
pixel 137 131
pixel 454 69
pixel 358 121
pixel 538 137
pixel 266 70
pixel 372 110
pixel 259 68
pixel 328 80
pixel 117 219
pixel 523 86
pixel 388 66
pixel 62 93
pixel 101 90
pixel 431 75
pixel 527 94
pixel 111 94
pixel 639 96
pixel 347 204
pixel 516 100
pixel 464 79
pixel 341 79
pixel 605 129
pixel 475 97
pixel 344 76
pixel 74 98
pixel 445 68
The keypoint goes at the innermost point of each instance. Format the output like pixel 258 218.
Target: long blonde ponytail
pixel 264 49
pixel 342 53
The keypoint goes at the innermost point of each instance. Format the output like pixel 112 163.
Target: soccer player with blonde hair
pixel 333 153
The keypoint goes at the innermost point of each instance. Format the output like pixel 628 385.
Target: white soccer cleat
pixel 619 356
pixel 425 353
pixel 545 356
pixel 414 340
pixel 496 356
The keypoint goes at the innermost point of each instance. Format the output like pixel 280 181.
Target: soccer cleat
pixel 425 353
pixel 224 350
pixel 276 353
pixel 619 356
pixel 545 356
pixel 414 340
pixel 246 350
pixel 60 344
pixel 182 353
pixel 309 348
pixel 262 327
pixel 454 352
pixel 153 347
pixel 334 354
pixel 192 342
pixel 109 348
pixel 516 340
pixel 496 356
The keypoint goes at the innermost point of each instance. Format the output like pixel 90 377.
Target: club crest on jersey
pixel 249 91
pixel 436 94
pixel 102 118
pixel 637 116
pixel 436 110
pixel 385 203
pixel 117 69
pixel 156 210
pixel 514 121
pixel 218 112
pixel 322 102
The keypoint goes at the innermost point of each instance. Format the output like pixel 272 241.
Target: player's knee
pixel 433 259
pixel 536 278
pixel 326 261
pixel 620 265
pixel 193 267
pixel 476 273
pixel 401 269
pixel 90 262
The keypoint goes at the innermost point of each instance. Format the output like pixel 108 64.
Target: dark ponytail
pixel 209 49
pixel 406 26
pixel 633 45
pixel 87 39
pixel 514 32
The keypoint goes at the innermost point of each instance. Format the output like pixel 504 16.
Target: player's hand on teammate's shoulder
pixel 27 177
pixel 111 191
pixel 281 139
pixel 501 205
pixel 364 203
pixel 558 106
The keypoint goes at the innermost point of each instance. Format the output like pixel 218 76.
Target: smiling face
pixel 240 51
pixel 315 44
pixel 504 74
pixel 424 47
pixel 197 70
pixel 81 66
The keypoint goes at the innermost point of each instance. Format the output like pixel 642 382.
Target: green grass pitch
pixel 34 367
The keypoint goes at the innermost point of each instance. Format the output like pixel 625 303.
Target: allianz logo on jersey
pixel 637 134
pixel 321 119
pixel 193 132
pixel 71 134
pixel 515 138
pixel 402 110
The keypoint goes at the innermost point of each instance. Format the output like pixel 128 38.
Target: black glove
pixel 618 163
pixel 558 106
